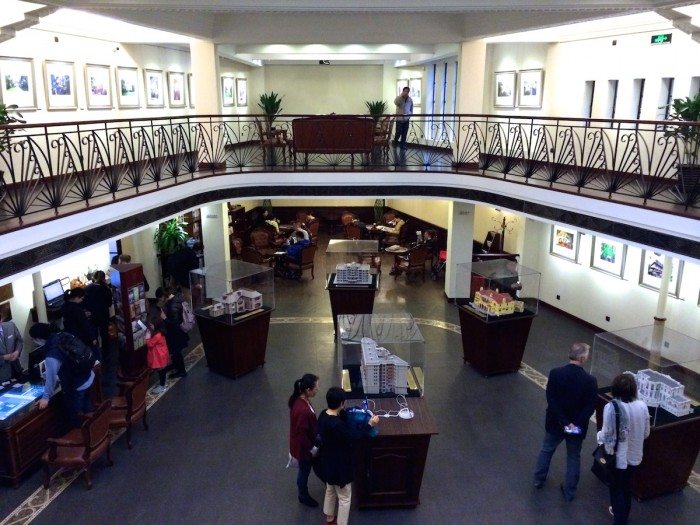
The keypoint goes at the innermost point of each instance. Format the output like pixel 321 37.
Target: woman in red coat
pixel 302 432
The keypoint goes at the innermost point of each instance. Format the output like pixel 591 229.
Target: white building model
pixel 241 300
pixel 657 389
pixel 381 370
pixel 352 273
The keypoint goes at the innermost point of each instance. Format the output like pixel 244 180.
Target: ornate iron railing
pixel 52 169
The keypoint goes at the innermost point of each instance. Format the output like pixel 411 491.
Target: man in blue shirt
pixel 404 110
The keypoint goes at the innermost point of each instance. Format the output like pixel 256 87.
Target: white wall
pixel 235 70
pixel 318 89
pixel 487 219
pixel 432 211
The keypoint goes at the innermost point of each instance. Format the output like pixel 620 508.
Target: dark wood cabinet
pixel 493 346
pixel 130 306
pixel 389 467
pixel 670 453
pixel 234 348
pixel 351 299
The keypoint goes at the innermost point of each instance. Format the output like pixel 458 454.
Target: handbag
pixel 604 463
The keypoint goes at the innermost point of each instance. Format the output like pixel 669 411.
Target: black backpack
pixel 78 359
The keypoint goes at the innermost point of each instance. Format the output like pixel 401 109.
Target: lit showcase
pixel 352 263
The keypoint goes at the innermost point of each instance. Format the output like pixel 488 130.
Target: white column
pixel 472 77
pixel 215 233
pixel 460 233
pixel 205 82
pixel 39 300
pixel 663 289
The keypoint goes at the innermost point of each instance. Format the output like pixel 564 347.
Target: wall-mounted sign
pixel 664 38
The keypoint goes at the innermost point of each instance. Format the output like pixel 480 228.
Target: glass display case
pixel 380 355
pixel 232 291
pixel 352 263
pixel 17 400
pixel 499 289
pixel 665 363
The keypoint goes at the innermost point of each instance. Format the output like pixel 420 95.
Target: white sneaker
pixel 159 389
pixel 611 512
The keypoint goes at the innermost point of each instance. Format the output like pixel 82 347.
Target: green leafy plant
pixel 271 105
pixel 687 110
pixel 7 116
pixel 376 109
pixel 170 236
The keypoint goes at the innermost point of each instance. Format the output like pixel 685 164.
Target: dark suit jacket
pixel 571 398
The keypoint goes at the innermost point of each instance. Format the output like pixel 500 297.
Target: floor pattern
pixel 41 498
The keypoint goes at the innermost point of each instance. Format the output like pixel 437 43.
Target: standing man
pixel 404 110
pixel 11 345
pixel 571 399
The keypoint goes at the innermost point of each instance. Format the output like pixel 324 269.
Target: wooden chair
pixel 236 247
pixel 313 230
pixel 347 217
pixel 413 263
pixel 382 135
pixel 263 241
pixel 130 405
pixel 251 255
pixel 308 253
pixel 80 447
pixel 352 231
pixel 399 237
pixel 272 139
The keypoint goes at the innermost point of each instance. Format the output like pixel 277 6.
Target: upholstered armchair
pixel 412 263
pixel 251 255
pixel 352 231
pixel 308 253
pixel 80 447
pixel 130 405
pixel 263 241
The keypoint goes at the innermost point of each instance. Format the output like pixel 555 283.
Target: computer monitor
pixel 53 293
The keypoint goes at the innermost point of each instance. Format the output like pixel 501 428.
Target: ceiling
pixel 375 31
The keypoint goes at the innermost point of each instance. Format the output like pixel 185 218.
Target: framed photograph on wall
pixel 228 93
pixel 176 89
pixel 400 84
pixel 653 267
pixel 155 93
pixel 17 82
pixel 98 86
pixel 565 242
pixel 416 93
pixel 127 87
pixel 504 89
pixel 530 84
pixel 608 256
pixel 190 98
pixel 59 79
pixel 241 92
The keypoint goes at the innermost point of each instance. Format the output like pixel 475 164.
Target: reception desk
pixel 389 467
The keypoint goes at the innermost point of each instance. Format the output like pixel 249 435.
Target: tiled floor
pixel 216 448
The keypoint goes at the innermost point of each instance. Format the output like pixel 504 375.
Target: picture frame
pixel 564 242
pixel 241 92
pixel 608 256
pixel 153 84
pixel 176 89
pixel 17 84
pixel 652 267
pixel 59 81
pixel 228 91
pixel 416 92
pixel 504 89
pixel 127 87
pixel 400 84
pixel 98 86
pixel 530 86
pixel 190 98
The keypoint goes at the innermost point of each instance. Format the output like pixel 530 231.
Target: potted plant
pixel 688 110
pixel 271 105
pixel 169 238
pixel 7 117
pixel 376 109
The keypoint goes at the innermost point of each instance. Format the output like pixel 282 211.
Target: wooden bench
pixel 333 134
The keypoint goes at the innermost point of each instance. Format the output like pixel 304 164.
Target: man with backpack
pixel 69 360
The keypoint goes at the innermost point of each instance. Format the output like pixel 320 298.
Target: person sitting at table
pixel 294 250
pixel 391 231
pixel 298 228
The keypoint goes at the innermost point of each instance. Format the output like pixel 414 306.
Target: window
pixel 612 97
pixel 637 97
pixel 588 92
pixel 665 98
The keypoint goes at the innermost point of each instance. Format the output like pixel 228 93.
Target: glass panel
pixel 352 262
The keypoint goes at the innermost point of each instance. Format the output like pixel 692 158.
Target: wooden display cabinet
pixel 130 307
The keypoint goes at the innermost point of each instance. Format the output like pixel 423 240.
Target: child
pixel 158 356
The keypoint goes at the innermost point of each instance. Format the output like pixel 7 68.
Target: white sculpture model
pixel 241 300
pixel 493 302
pixel 381 370
pixel 657 389
pixel 352 273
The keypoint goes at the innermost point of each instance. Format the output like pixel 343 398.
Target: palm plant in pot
pixel 7 116
pixel 271 105
pixel 688 110
pixel 169 238
pixel 376 109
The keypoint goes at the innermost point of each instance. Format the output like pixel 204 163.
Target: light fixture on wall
pixel 324 62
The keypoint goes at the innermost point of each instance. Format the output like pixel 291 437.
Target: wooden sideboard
pixel 332 134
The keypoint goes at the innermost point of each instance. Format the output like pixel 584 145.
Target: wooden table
pixel 234 347
pixel 389 467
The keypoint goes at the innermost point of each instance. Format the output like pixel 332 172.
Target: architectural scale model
pixel 381 370
pixel 241 300
pixel 657 389
pixel 217 309
pixel 352 273
pixel 493 302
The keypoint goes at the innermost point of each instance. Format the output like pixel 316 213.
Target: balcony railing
pixel 49 170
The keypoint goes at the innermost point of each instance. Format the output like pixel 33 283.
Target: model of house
pixel 382 371
pixel 217 309
pixel 496 303
pixel 352 273
pixel 657 389
pixel 241 300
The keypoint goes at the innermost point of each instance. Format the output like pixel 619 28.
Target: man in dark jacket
pixel 98 299
pixel 571 399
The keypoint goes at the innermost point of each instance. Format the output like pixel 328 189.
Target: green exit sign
pixel 661 39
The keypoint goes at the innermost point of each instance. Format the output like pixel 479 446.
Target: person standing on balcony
pixel 404 110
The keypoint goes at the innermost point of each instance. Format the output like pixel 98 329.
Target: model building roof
pixel 658 377
pixel 495 295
